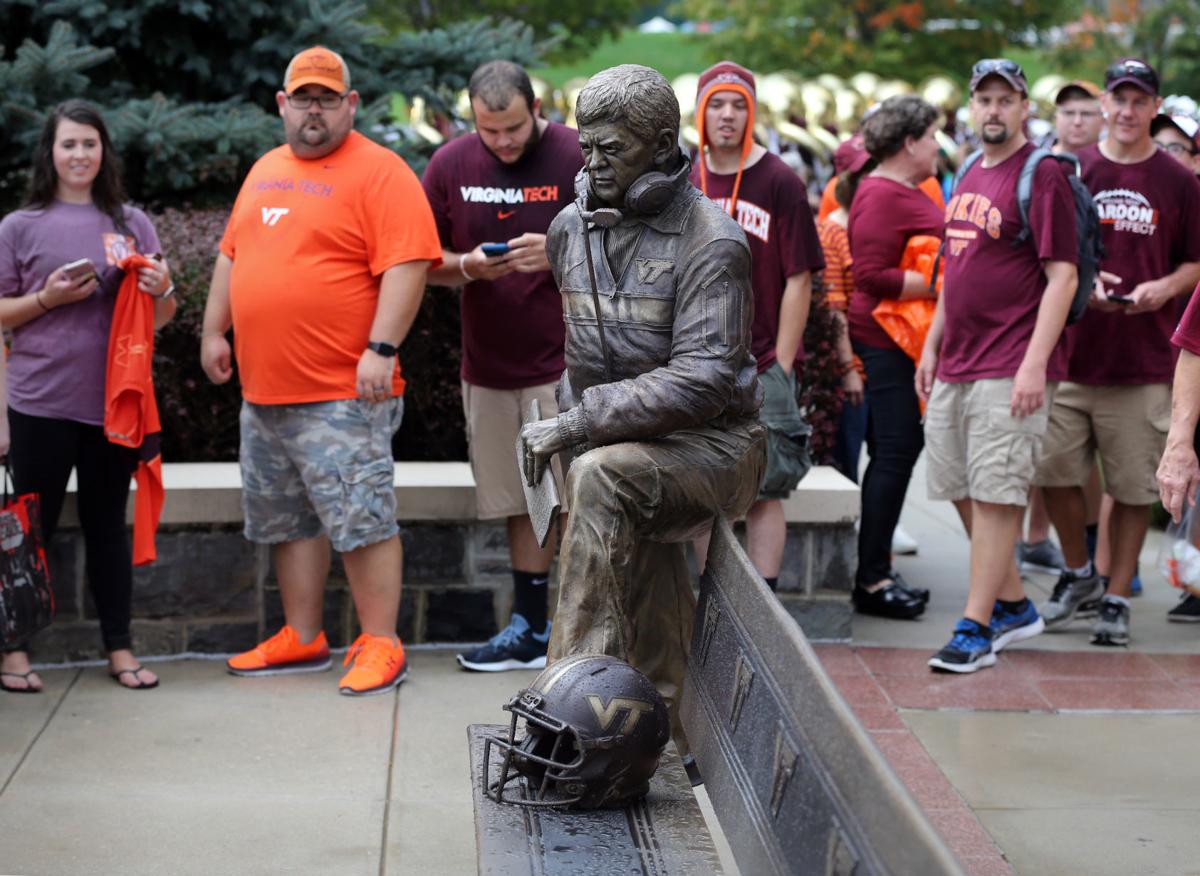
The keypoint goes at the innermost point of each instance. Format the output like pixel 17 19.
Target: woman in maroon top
pixel 888 209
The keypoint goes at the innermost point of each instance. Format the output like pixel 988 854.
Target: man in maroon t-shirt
pixel 770 203
pixel 995 348
pixel 504 185
pixel 1117 396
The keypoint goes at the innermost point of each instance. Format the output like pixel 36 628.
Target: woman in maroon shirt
pixel 888 209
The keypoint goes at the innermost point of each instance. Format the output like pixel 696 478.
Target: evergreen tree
pixel 188 86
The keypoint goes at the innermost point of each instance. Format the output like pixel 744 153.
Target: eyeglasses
pixel 1176 148
pixel 1004 66
pixel 1131 69
pixel 325 101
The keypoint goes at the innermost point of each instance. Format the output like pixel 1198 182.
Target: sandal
pixel 141 685
pixel 28 689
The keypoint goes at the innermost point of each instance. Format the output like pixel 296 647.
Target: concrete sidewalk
pixel 214 774
pixel 1064 759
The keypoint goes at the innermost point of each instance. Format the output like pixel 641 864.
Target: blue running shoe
pixel 969 649
pixel 1013 626
pixel 514 647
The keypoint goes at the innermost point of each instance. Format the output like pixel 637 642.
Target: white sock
pixel 1083 571
pixel 1121 599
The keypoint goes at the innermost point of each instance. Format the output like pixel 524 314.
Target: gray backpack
pixel 1087 219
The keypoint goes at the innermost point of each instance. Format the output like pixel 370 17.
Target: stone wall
pixel 211 591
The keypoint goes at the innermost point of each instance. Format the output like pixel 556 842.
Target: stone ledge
pixel 213 591
pixel 211 492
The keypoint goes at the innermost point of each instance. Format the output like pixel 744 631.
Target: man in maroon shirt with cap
pixel 995 348
pixel 503 186
pixel 1117 396
pixel 769 202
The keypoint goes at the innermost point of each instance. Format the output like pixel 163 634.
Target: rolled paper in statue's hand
pixel 542 498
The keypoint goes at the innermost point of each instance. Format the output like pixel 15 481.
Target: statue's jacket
pixel 677 324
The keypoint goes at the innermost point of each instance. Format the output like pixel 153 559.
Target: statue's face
pixel 614 158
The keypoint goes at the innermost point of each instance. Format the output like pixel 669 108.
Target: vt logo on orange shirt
pixel 272 215
pixel 976 209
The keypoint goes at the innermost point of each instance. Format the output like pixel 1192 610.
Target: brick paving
pixel 878 683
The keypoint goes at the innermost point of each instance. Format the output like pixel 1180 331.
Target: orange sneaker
pixel 379 666
pixel 281 654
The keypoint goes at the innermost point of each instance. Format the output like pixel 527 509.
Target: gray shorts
pixel 788 460
pixel 320 467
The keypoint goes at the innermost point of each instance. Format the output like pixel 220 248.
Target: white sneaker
pixel 902 542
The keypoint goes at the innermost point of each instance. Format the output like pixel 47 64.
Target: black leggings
pixel 894 441
pixel 43 452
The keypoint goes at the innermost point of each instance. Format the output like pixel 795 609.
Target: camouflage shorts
pixel 320 467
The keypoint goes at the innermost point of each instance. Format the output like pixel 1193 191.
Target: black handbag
pixel 26 598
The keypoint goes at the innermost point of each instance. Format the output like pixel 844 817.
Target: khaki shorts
pixel 494 417
pixel 320 467
pixel 1127 425
pixel 975 448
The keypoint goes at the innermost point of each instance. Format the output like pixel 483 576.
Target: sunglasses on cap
pixel 1002 66
pixel 1131 68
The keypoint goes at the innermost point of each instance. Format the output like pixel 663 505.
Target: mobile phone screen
pixel 494 249
pixel 79 268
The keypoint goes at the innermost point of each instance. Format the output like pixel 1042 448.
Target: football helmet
pixel 594 730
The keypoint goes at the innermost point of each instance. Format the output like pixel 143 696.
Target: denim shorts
pixel 320 467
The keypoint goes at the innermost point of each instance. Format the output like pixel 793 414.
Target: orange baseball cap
pixel 317 66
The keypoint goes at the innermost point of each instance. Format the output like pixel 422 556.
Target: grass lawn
pixel 669 53
pixel 676 53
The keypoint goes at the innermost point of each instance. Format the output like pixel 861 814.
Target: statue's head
pixel 628 120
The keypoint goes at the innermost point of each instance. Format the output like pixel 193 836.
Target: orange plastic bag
pixel 907 322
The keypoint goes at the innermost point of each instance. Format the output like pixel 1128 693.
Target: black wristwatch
pixel 385 350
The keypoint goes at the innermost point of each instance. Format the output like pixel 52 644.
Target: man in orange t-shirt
pixel 321 273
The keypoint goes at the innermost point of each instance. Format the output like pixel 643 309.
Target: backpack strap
pixel 967 164
pixel 1025 184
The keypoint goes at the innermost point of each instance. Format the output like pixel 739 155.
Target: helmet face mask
pixel 594 730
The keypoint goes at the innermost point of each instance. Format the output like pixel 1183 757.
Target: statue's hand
pixel 539 442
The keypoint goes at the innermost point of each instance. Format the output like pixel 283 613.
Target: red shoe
pixel 281 654
pixel 379 666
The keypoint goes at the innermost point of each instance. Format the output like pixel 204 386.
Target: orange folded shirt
pixel 130 410
pixel 907 322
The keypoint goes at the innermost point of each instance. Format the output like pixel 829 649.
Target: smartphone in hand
pixel 494 249
pixel 79 269
pixel 1119 299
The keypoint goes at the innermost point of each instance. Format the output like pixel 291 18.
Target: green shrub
pixel 821 392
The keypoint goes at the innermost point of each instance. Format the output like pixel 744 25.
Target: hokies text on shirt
pixel 976 209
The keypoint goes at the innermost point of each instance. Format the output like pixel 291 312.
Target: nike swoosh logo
pixel 502 214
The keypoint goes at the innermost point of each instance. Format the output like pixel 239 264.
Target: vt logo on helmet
pixel 594 730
